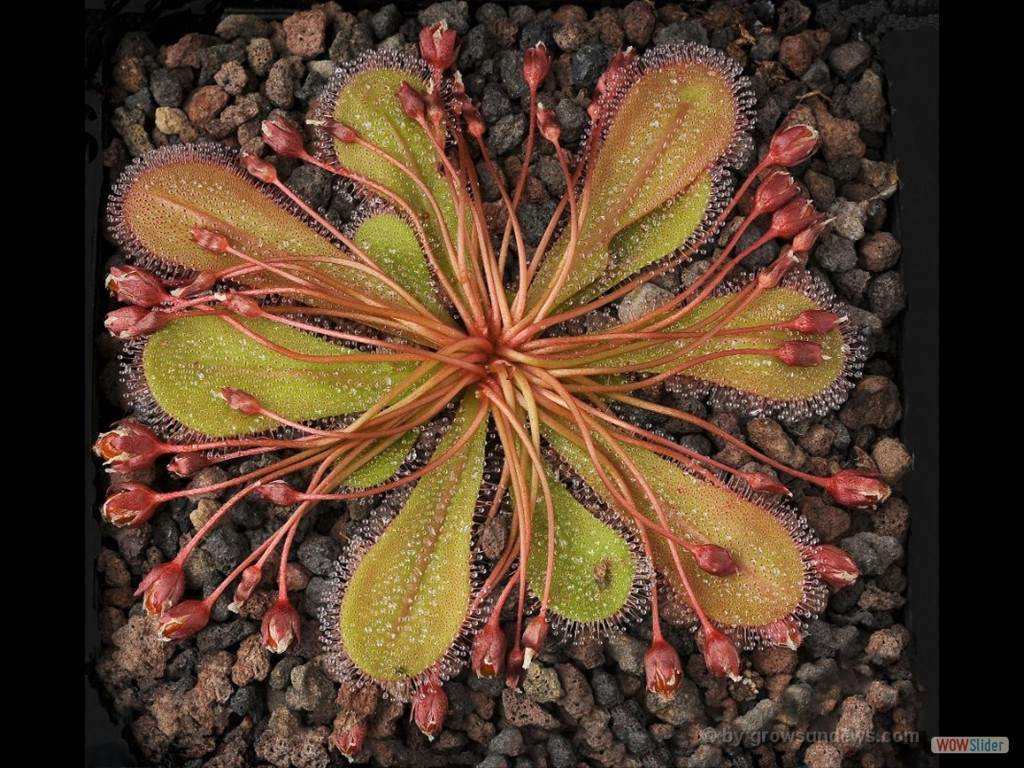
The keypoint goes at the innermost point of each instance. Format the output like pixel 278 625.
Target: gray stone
pixel 836 254
pixel 872 552
pixel 560 752
pixel 589 63
pixel 508 741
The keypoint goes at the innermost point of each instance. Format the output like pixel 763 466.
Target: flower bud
pixel 806 239
pixel 762 483
pixel 131 322
pixel 800 354
pixel 281 625
pixel 187 464
pixel 429 707
pixel 857 488
pixel 412 102
pixel 283 136
pixel 278 492
pixel 775 191
pixel 488 652
pixel 772 275
pixel 792 144
pixel 720 655
pixel 259 168
pixel 784 633
pixel 536 63
pixel 474 122
pixel 183 620
pixel 343 133
pixel 129 504
pixel 214 242
pixel 533 638
pixel 201 283
pixel 548 124
pixel 242 401
pixel 435 107
pixel 246 306
pixel 438 46
pixel 793 218
pixel 714 559
pixel 251 578
pixel 128 446
pixel 663 668
pixel 835 567
pixel 514 667
pixel 351 740
pixel 162 587
pixel 135 286
pixel 815 321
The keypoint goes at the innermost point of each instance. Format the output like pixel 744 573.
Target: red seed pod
pixel 759 481
pixel 241 401
pixel 857 488
pixel 129 446
pixel 815 321
pixel 806 239
pixel 429 708
pixel 793 218
pixel 720 655
pixel 536 63
pixel 435 107
pixel 792 144
pixel 343 133
pixel 283 136
pixel 714 559
pixel 835 567
pixel 187 464
pixel 514 666
pixel 250 579
pixel 214 242
pixel 280 626
pixel 534 635
pixel 183 620
pixel 136 286
pixel 412 102
pixel 663 669
pixel 162 587
pixel 785 632
pixel 132 322
pixel 775 191
pixel 487 656
pixel 800 354
pixel 547 121
pixel 278 492
pixel 474 122
pixel 351 740
pixel 246 306
pixel 129 504
pixel 774 272
pixel 201 283
pixel 438 46
pixel 259 168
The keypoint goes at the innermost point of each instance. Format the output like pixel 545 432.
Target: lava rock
pixel 887 296
pixel 589 64
pixel 872 552
pixel 508 741
pixel 874 402
pixel 849 60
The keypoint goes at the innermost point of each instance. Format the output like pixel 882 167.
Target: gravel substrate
pixel 845 698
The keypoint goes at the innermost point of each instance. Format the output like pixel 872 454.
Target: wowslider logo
pixel 975 745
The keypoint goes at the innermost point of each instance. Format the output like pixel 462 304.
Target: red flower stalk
pixel 488 652
pixel 857 488
pixel 183 620
pixel 438 46
pixel 283 136
pixel 129 504
pixel 351 741
pixel 280 626
pixel 720 654
pixel 663 668
pixel 136 286
pixel 162 587
pixel 429 707
pixel 128 447
pixel 792 145
pixel 714 559
pixel 835 567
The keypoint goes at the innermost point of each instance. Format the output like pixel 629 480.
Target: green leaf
pixel 408 598
pixel 769 584
pixel 668 127
pixel 762 376
pixel 186 364
pixel 384 465
pixel 594 566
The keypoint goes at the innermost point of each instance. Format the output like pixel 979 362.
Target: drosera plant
pixel 425 355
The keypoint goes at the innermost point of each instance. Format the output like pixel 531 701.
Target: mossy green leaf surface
pixel 594 567
pixel 384 465
pixel 769 584
pixel 408 597
pixel 187 363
